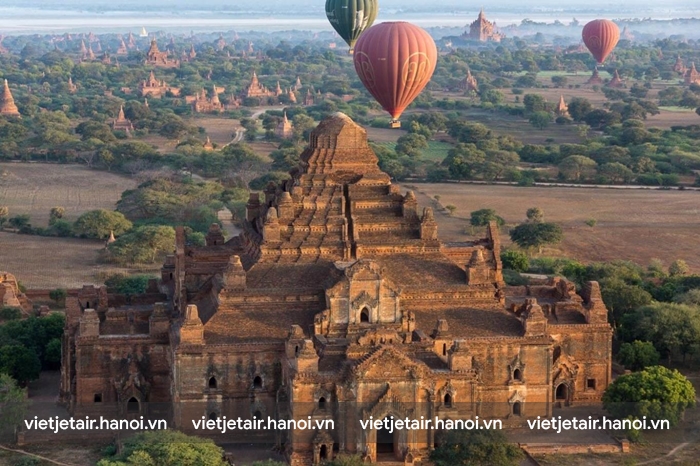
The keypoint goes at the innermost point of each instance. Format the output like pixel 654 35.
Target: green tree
pixel 59 295
pixel 579 108
pixel 13 407
pixel 577 167
pixel 534 103
pixel 615 172
pixel 99 223
pixel 536 235
pixel 52 354
pixel 678 267
pixel 672 328
pixel 638 355
pixel 451 208
pixel 482 217
pixel 19 221
pixel 464 161
pixel 655 392
pixel 622 298
pixel 303 124
pixel 411 144
pixel 128 284
pixel 56 214
pixel 559 81
pixel 166 448
pixel 515 260
pixel 535 215
pixel 475 447
pixel 540 120
pixel 20 362
pixel 143 245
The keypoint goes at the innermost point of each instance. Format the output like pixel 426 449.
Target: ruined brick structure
pixel 483 30
pixel 156 88
pixel 155 57
pixel 338 301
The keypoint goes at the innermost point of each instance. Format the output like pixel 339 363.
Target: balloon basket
pixel 351 52
pixel 395 124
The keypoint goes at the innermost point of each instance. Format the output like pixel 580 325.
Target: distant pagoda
pixel 615 81
pixel 692 76
pixel 483 30
pixel 595 77
pixel 562 108
pixel 122 123
pixel 7 102
pixel 469 83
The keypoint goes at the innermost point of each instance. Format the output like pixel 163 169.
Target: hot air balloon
pixel 395 61
pixel 601 36
pixel 351 17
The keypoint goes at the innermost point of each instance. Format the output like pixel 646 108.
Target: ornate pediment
pixel 387 363
pixel 566 368
pixel 364 299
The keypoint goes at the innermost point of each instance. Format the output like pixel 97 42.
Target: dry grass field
pixel 34 188
pixel 631 224
pixel 220 130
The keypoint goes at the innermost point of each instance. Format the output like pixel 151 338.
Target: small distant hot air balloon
pixel 351 17
pixel 601 36
pixel 395 61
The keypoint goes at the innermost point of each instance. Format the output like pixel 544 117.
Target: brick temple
pixel 337 301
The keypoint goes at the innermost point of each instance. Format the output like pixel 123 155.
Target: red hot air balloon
pixel 395 61
pixel 600 36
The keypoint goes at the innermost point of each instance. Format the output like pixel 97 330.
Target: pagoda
pixel 483 30
pixel 615 81
pixel 255 89
pixel 692 76
pixel 291 95
pixel 562 109
pixel 208 146
pixel 297 85
pixel 595 77
pixel 204 104
pixel 155 88
pixel 469 83
pixel 7 102
pixel 155 57
pixel 309 98
pixel 72 88
pixel 122 50
pixel 221 43
pixel 122 123
pixel 679 66
pixel 284 129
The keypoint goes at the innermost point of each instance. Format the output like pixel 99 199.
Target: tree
pixel 19 221
pixel 20 362
pixel 638 355
pixel 451 208
pixel 616 172
pixel 559 81
pixel 59 295
pixel 622 298
pixel 541 119
pixel 678 267
pixel 464 161
pixel 482 217
pixel 13 406
pixel 535 215
pixel 534 103
pixel 4 213
pixel 655 392
pixel 579 108
pixel 515 260
pixel 475 447
pixel 143 245
pixel 56 214
pixel 99 223
pixel 577 167
pixel 536 235
pixel 165 448
pixel 411 144
pixel 672 328
pixel 302 126
pixel 127 284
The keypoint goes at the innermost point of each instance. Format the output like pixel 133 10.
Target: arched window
pixel 257 415
pixel 212 382
pixel 132 406
pixel 517 375
pixel 444 349
pixel 322 403
pixel 98 398
pixel 296 350
pixel 257 382
pixel 517 408
pixel 323 454
pixel 448 400
pixel 213 416
pixel 364 315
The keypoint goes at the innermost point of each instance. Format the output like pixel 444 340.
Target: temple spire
pixel 7 102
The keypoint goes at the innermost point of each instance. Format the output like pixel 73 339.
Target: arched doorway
pixel 364 315
pixel 323 454
pixel 562 392
pixel 387 447
pixel 132 406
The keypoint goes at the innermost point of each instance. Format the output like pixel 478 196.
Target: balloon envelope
pixel 351 17
pixel 600 36
pixel 395 61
